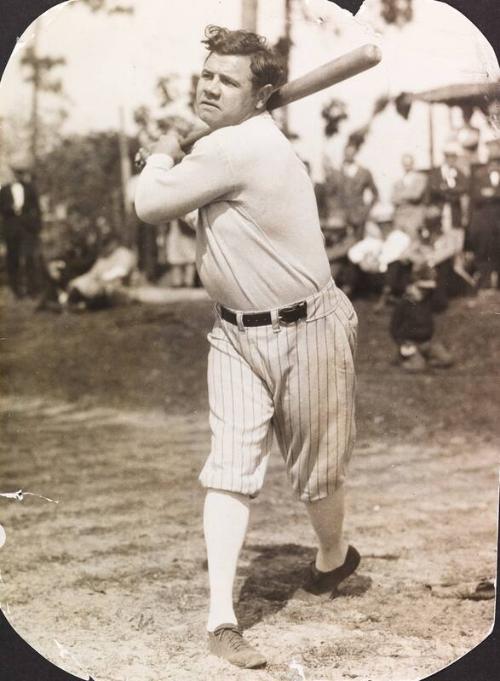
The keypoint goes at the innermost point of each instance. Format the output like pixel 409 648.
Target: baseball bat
pixel 335 71
pixel 339 69
pixel 344 67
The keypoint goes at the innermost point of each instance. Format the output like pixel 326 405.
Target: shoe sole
pixel 255 665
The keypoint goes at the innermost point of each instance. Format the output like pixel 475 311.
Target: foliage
pixel 192 93
pixel 397 12
pixel 333 113
pixel 380 105
pixel 358 137
pixel 105 5
pixel 83 174
pixel 165 89
pixel 174 111
pixel 18 131
pixel 327 24
pixel 39 74
pixel 283 47
pixel 39 69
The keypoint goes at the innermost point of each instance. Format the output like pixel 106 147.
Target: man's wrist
pixel 160 160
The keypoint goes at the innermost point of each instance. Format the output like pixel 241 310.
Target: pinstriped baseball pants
pixel 295 381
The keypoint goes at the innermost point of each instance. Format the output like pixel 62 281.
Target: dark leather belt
pixel 287 315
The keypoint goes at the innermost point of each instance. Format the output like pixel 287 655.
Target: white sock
pixel 225 522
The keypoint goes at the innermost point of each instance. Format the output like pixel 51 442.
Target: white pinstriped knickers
pixel 296 381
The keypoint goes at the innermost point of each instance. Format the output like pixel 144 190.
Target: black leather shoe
pixel 320 582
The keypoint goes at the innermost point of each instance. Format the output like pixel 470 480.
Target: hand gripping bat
pixel 339 69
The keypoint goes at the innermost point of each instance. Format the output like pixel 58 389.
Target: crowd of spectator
pixel 439 236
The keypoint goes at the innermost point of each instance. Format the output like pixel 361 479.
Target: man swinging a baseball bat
pixel 281 359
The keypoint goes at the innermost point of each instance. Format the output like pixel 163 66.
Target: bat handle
pixel 195 135
pixel 186 144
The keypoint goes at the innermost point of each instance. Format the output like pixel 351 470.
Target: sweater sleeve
pixel 165 192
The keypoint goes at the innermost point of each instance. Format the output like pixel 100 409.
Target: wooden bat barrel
pixel 344 67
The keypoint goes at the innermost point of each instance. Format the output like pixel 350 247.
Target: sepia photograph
pixel 250 314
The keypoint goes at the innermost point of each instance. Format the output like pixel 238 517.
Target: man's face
pixel 225 94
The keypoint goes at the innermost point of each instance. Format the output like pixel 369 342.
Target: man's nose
pixel 212 88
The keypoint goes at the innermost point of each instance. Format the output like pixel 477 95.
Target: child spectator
pixel 412 325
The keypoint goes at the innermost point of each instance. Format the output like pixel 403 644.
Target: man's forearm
pixel 166 192
pixel 147 205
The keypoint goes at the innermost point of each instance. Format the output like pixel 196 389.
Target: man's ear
pixel 264 93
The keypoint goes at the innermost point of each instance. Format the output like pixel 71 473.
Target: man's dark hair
pixel 266 65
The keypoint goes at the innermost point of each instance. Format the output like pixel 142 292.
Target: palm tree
pixel 39 68
pixel 249 12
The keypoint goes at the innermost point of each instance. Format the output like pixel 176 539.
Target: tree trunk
pixel 288 38
pixel 125 175
pixel 34 100
pixel 249 11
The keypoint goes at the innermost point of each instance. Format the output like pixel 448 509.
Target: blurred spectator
pixel 322 203
pixel 22 223
pixel 408 197
pixel 447 191
pixel 447 217
pixel 181 253
pixel 147 250
pixel 438 249
pixel 146 237
pixel 338 241
pixel 375 256
pixel 352 191
pixel 102 284
pixel 69 250
pixel 484 233
pixel 468 138
pixel 412 325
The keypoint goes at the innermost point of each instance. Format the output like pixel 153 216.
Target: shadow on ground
pixel 275 575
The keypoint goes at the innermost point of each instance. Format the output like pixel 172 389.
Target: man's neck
pixel 257 112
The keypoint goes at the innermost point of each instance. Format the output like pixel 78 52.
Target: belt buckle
pixel 299 308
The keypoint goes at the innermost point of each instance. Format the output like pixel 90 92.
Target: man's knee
pixel 234 495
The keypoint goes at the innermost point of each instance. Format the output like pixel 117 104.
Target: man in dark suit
pixel 21 225
pixel 447 188
pixel 354 191
pixel 351 193
pixel 447 198
pixel 484 233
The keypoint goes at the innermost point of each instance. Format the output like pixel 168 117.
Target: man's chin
pixel 208 117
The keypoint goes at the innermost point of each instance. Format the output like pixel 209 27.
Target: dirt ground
pixel 106 413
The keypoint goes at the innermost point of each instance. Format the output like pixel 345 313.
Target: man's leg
pixel 32 264
pixel 327 518
pixel 13 248
pixel 335 560
pixel 240 413
pixel 314 422
pixel 225 522
pixel 241 410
